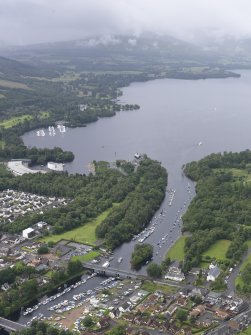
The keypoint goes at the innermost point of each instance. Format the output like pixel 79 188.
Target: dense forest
pixel 221 208
pixel 137 209
pixel 139 193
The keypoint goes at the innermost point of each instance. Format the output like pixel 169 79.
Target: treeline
pixel 246 278
pixel 221 208
pixel 140 194
pixel 137 209
pixel 42 328
pixel 88 196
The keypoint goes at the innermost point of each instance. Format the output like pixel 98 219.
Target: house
pixel 103 323
pixel 198 310
pixel 41 267
pixel 181 301
pixel 114 313
pixel 5 287
pixel 213 297
pixel 28 233
pixel 223 315
pixel 171 309
pixel 42 224
pixel 213 273
pixel 184 292
pixel 125 307
pixel 174 273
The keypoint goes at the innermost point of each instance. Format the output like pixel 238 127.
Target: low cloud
pixel 36 21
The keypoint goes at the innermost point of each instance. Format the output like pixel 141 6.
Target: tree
pixel 43 250
pixel 181 314
pixel 88 322
pixel 74 266
pixel 154 270
pixel 117 330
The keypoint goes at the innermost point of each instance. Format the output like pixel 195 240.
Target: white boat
pixel 200 143
pixel 137 156
pixel 120 259
pixel 106 264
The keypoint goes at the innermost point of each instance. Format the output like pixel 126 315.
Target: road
pixel 236 270
pixel 10 325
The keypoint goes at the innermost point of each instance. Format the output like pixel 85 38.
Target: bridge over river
pixel 123 274
pixel 10 326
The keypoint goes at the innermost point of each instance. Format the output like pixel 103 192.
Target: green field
pixel 84 234
pixel 15 121
pixel 177 250
pixel 246 331
pixel 151 287
pixel 218 250
pixel 13 84
pixel 238 279
pixel 87 257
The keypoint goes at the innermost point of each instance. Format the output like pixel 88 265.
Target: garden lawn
pixel 218 250
pixel 87 257
pixel 84 234
pixel 176 252
pixel 151 287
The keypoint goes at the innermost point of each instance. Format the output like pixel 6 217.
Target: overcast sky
pixel 35 21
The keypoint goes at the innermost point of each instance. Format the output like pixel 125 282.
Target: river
pixel 179 121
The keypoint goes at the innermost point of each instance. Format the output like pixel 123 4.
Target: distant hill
pixel 15 70
pixel 113 52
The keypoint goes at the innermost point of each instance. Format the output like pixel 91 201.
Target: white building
pixel 213 273
pixel 55 166
pixel 41 224
pixel 28 233
pixel 175 273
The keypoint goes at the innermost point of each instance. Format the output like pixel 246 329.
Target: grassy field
pixel 151 287
pixel 13 84
pixel 14 121
pixel 238 279
pixel 177 250
pixel 87 257
pixel 246 331
pixel 84 234
pixel 218 250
